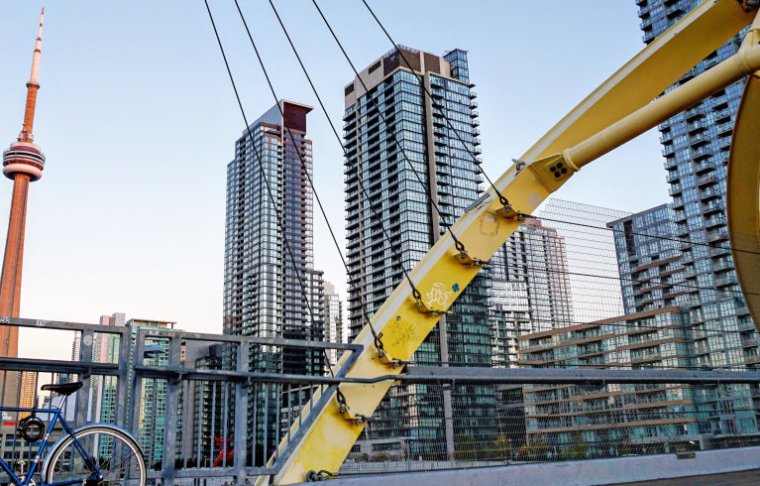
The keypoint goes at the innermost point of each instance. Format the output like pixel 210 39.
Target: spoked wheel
pixel 117 456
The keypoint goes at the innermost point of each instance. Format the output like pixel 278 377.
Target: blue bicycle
pixel 90 455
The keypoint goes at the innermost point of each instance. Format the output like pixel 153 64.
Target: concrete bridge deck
pixel 742 478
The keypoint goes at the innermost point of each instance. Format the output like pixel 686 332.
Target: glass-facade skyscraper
pixel 333 309
pixel 649 261
pixel 413 151
pixel 530 289
pixel 271 290
pixel 696 147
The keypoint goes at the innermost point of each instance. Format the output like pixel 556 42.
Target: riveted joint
pixel 465 259
pixel 554 171
pixel 424 309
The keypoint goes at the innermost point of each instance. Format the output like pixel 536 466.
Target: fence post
pixel 241 416
pixel 83 395
pixel 136 382
pixel 172 411
pixel 123 380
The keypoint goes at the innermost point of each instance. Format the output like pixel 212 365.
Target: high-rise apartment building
pixel 105 349
pixel 271 289
pixel 151 420
pixel 205 406
pixel 530 288
pixel 649 259
pixel 578 421
pixel 407 153
pixel 333 311
pixel 696 147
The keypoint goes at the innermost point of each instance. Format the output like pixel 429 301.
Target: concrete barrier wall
pixel 579 473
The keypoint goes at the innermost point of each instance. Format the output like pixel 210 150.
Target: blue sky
pixel 138 121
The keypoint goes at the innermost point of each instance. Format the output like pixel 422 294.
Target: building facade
pixel 333 311
pixel 696 147
pixel 411 139
pixel 271 289
pixel 652 273
pixel 530 288
pixel 575 422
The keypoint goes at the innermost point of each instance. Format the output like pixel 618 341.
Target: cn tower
pixel 22 163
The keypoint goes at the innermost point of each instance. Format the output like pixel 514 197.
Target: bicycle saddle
pixel 64 389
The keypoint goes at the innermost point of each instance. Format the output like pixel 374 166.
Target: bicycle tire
pixel 108 439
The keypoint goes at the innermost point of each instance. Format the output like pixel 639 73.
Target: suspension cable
pixel 302 161
pixel 502 199
pixel 260 162
pixel 427 188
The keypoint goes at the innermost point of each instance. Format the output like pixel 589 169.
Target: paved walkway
pixel 744 478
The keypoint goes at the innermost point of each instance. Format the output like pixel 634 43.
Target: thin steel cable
pixel 338 138
pixel 503 200
pixel 305 169
pixel 655 237
pixel 356 170
pixel 681 285
pixel 474 158
pixel 426 187
pixel 261 167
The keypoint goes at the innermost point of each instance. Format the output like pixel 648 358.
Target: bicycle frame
pixel 57 415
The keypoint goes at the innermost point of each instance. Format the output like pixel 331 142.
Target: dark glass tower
pixel 390 121
pixel 268 291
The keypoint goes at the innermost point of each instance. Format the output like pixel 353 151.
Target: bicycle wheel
pixel 116 454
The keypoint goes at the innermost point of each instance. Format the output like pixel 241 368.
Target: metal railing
pixel 190 399
pixel 221 408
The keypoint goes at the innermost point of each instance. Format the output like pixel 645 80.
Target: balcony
pixel 701 168
pixel 725 281
pixel 698 125
pixel 749 343
pixel 707 181
pixel 716 236
pixel 693 114
pixel 713 207
pixel 715 221
pixel 725 130
pixel 747 326
pixel 701 152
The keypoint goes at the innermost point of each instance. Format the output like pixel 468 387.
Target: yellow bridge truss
pixel 623 107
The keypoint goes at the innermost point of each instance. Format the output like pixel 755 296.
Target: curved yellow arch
pixel 743 196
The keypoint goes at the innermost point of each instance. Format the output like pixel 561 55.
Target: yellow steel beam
pixel 648 74
pixel 441 275
pixel 743 188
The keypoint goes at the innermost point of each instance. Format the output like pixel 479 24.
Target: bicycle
pixel 90 455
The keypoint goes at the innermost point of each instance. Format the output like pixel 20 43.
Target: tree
pixel 499 449
pixel 466 448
